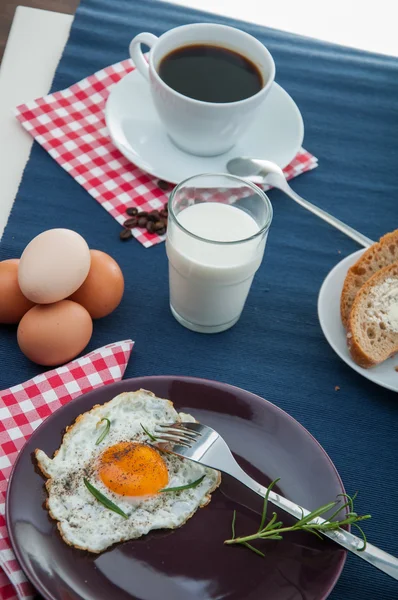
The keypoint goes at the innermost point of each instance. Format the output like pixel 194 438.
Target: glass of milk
pixel 216 234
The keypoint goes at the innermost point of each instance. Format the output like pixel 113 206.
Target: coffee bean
pixel 143 213
pixel 125 234
pixel 132 211
pixel 154 216
pixel 131 222
pixel 142 221
pixel 159 225
pixel 161 231
pixel 163 213
pixel 150 226
pixel 163 184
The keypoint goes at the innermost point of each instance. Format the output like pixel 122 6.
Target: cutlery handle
pixel 373 555
pixel 322 214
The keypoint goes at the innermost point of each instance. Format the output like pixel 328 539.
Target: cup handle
pixel 136 53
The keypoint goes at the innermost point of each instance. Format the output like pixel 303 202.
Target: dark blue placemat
pixel 349 101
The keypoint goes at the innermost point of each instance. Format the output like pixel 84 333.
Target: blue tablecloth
pixel 349 101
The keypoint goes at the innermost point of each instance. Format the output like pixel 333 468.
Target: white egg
pixel 126 470
pixel 53 266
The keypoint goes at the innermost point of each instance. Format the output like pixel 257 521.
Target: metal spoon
pixel 267 172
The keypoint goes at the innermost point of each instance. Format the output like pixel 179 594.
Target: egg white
pixel 82 520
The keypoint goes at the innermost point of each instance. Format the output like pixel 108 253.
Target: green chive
pixel 103 499
pixel 365 541
pixel 275 529
pixel 233 525
pixel 185 487
pixel 105 432
pixel 253 549
pixel 265 505
pixel 151 437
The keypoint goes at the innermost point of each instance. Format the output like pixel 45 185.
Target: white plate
pixel 135 129
pixel 332 327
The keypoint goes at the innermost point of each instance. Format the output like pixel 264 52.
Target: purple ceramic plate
pixel 189 563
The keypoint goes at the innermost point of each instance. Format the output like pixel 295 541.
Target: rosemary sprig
pixel 103 499
pixel 105 431
pixel 151 437
pixel 274 528
pixel 184 487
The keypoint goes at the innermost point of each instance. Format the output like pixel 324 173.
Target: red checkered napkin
pixel 23 408
pixel 70 125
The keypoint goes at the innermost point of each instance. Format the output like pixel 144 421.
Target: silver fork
pixel 205 446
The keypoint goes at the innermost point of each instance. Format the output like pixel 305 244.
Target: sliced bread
pixel 373 323
pixel 381 254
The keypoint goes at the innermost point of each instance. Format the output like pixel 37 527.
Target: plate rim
pixel 35 581
pixel 367 373
pixel 127 153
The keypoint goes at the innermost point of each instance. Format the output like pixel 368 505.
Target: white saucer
pixel 332 327
pixel 135 129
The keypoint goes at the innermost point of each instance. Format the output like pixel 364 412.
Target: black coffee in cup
pixel 210 73
pixel 207 82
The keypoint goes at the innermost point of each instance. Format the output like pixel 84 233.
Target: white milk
pixel 209 282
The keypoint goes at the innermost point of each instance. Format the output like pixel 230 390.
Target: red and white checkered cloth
pixel 70 125
pixel 23 408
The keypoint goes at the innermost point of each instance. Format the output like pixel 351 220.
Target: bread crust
pixel 358 355
pixel 381 254
pixel 357 351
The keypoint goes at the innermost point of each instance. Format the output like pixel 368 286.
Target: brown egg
pixel 103 288
pixel 13 304
pixel 53 334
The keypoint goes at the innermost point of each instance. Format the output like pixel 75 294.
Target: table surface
pixel 349 23
pixel 38 37
pixel 27 34
pixel 8 7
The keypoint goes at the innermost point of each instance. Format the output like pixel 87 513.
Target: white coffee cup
pixel 197 127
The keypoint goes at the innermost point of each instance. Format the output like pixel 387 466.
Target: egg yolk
pixel 132 469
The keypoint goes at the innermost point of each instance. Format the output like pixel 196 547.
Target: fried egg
pixel 126 469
